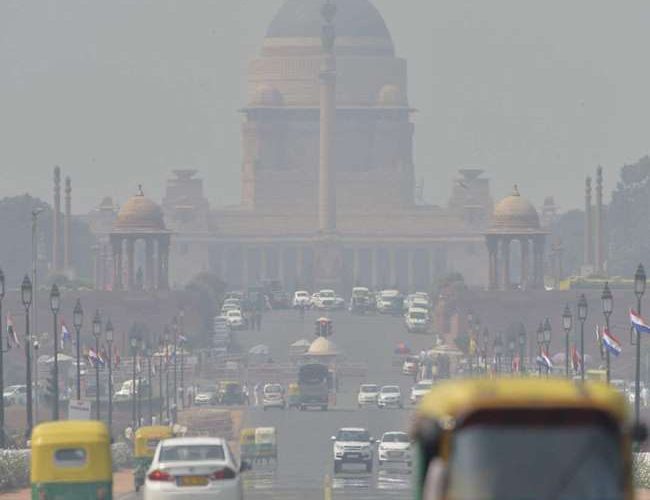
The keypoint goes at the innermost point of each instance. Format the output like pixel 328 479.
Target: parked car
pixel 360 300
pixel 368 394
pixel 201 466
pixel 301 298
pixel 390 396
pixel 326 299
pixel 234 319
pixel 353 445
pixel 395 447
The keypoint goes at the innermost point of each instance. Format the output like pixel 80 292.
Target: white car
pixel 193 467
pixel 417 320
pixel 326 299
pixel 368 394
pixel 234 319
pixel 353 445
pixel 301 298
pixel 419 390
pixel 228 307
pixel 390 395
pixel 410 366
pixel 15 395
pixel 273 396
pixel 395 447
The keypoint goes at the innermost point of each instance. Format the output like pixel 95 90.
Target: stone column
pixel 355 267
pixel 373 267
pixel 130 263
pixel 589 240
pixel 244 267
pixel 505 257
pixel 56 211
pixel 392 267
pixel 67 222
pixel 431 255
pixel 538 251
pixel 410 262
pixel 116 243
pixel 281 267
pixel 223 263
pixel 148 264
pixel 493 249
pixel 163 248
pixel 525 265
pixel 300 266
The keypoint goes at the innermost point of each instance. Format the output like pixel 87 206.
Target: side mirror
pixel 639 433
pixel 333 438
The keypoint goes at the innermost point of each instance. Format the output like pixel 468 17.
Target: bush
pixel 122 456
pixel 14 469
pixel 641 464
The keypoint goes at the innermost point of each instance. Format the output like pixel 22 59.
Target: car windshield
pixel 302 294
pixel 191 453
pixel 273 389
pixel 395 437
pixel 327 294
pixel 369 388
pixel 390 389
pixel 353 436
pixel 423 386
pixel 504 461
pixel 418 315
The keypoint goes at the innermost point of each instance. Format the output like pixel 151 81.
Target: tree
pixel 206 291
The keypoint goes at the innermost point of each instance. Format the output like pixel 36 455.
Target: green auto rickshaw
pixel 144 446
pixel 72 460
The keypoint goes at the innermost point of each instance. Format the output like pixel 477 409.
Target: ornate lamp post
pixel 109 343
pixel 77 321
pixel 567 324
pixel 608 305
pixel 55 304
pixel 639 290
pixel 582 316
pixel 521 337
pixel 486 344
pixel 26 297
pixel 97 331
pixel 540 345
pixel 175 328
pixel 2 372
pixel 547 339
pixel 166 343
pixel 149 354
pixel 511 353
pixel 160 380
pixel 498 350
pixel 134 350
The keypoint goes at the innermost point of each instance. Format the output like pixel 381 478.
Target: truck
pixel 313 384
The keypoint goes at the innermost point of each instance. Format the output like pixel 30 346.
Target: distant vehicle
pixel 231 393
pixel 417 320
pixel 193 466
pixel 229 307
pixel 314 299
pixel 206 397
pixel 410 365
pixel 15 395
pixel 395 447
pixel 273 396
pixel 313 385
pixel 276 294
pixel 233 300
pixel 352 445
pixel 390 396
pixel 301 298
pixel 360 300
pixel 419 390
pixel 234 319
pixel 390 302
pixel 234 295
pixel 326 299
pixel 368 394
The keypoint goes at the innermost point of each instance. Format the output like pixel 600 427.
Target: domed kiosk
pixel 140 220
pixel 515 219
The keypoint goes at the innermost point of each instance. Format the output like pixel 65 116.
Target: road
pixel 305 449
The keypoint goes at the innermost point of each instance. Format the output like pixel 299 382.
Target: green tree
pixel 206 291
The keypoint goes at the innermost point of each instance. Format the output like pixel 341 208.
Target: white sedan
pixel 193 467
pixel 395 447
pixel 419 390
pixel 234 319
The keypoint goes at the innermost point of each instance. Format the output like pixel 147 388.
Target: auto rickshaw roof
pixel 457 399
pixel 70 431
pixel 153 431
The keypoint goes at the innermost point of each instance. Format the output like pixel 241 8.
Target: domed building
pixel 140 221
pixel 515 219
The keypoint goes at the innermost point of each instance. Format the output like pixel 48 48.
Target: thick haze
pixel 121 92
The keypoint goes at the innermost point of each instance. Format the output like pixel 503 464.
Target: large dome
pixel 514 214
pixel 139 214
pixel 302 19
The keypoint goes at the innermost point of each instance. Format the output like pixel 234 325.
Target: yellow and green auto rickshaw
pixel 293 396
pixel 247 448
pixel 144 446
pixel 72 460
pixel 524 438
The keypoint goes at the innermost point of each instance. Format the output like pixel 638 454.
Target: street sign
pixel 78 409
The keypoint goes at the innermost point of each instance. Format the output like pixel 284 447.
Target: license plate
pixel 192 481
pixel 353 455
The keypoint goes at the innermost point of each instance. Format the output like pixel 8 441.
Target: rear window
pixel 397 437
pixel 390 389
pixel 369 388
pixel 273 389
pixel 191 453
pixel 70 457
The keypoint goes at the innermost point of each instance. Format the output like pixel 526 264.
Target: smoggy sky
pixel 120 92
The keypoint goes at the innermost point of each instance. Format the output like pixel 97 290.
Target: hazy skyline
pixel 120 93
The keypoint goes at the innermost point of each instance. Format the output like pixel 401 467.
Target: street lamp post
pixel 511 353
pixel 639 290
pixel 582 316
pixel 486 343
pixel 567 324
pixel 608 306
pixel 26 296
pixel 160 381
pixel 140 384
pixel 175 369
pixel 149 354
pixel 97 331
pixel 134 346
pixel 547 340
pixel 2 372
pixel 498 350
pixel 77 321
pixel 522 347
pixel 540 345
pixel 166 341
pixel 109 343
pixel 181 323
pixel 55 304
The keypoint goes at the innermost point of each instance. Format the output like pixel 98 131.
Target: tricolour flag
pixel 12 335
pixel 638 323
pixel 611 343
